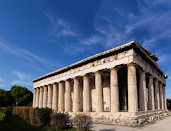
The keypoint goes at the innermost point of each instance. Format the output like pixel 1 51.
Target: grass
pixel 14 123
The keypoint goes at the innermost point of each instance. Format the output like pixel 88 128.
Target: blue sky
pixel 40 36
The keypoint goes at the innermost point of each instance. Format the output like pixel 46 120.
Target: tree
pixel 22 95
pixel 5 98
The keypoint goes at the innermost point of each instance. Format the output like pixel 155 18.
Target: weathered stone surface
pixel 109 86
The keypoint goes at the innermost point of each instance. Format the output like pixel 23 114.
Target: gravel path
pixel 162 125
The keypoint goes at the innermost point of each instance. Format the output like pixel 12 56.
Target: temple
pixel 122 83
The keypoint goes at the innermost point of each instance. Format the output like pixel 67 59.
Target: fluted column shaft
pixel 142 92
pixel 151 104
pixel 161 96
pixel 76 101
pixel 49 103
pixel 165 102
pixel 99 92
pixel 157 99
pixel 114 93
pixel 61 97
pixel 34 97
pixel 86 93
pixel 37 97
pixel 132 89
pixel 41 98
pixel 55 97
pixel 67 96
pixel 45 97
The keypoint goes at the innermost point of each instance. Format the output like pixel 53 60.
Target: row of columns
pixel 47 96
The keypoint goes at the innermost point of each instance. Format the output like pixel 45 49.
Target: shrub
pixel 83 122
pixel 9 110
pixel 60 121
pixel 2 116
pixel 27 113
pixel 32 116
pixel 43 116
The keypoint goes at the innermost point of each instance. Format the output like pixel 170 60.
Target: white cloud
pixel 23 79
pixel 36 61
pixel 62 28
pixel 1 82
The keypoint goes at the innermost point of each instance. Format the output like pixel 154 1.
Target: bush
pixel 43 116
pixel 27 113
pixel 32 116
pixel 9 110
pixel 2 116
pixel 60 121
pixel 83 122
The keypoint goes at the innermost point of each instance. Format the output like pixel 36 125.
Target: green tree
pixel 5 98
pixel 22 96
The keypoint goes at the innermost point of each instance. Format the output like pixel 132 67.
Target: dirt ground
pixel 161 125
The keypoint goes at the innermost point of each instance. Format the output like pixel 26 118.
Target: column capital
pixel 50 85
pixel 55 83
pixel 115 68
pixel 87 74
pixel 97 72
pixel 132 64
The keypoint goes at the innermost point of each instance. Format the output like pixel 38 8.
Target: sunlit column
pixel 86 93
pixel 49 103
pixel 37 97
pixel 34 97
pixel 55 97
pixel 132 89
pixel 45 96
pixel 67 96
pixel 76 101
pixel 99 92
pixel 114 90
pixel 61 97
pixel 41 97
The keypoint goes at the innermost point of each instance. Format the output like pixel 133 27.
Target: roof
pixel 131 44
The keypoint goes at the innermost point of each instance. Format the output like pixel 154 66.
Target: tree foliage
pixel 5 98
pixel 21 95
pixel 18 95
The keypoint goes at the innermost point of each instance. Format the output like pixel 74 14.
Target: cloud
pixel 36 61
pixel 22 78
pixel 116 26
pixel 61 28
pixel 1 82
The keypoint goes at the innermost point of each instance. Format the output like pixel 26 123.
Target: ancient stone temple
pixel 122 85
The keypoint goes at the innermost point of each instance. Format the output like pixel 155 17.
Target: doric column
pixel 76 101
pixel 67 96
pixel 55 97
pixel 114 90
pixel 34 97
pixel 157 100
pixel 151 104
pixel 132 89
pixel 142 92
pixel 41 97
pixel 161 96
pixel 45 96
pixel 61 97
pixel 86 93
pixel 165 102
pixel 99 92
pixel 49 103
pixel 37 97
